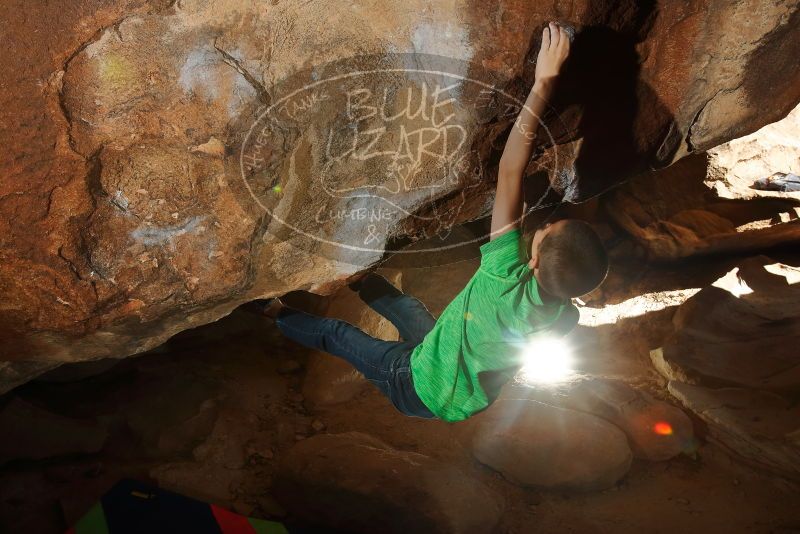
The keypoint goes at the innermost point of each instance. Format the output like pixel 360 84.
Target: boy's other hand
pixel 553 53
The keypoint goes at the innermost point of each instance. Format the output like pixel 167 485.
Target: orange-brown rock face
pixel 165 161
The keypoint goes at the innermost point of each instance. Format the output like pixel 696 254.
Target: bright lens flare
pixel 547 360
pixel 662 428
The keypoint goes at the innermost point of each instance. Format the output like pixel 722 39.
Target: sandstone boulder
pixel 535 444
pixel 685 210
pixel 656 430
pixel 759 426
pixel 144 195
pixel 206 482
pixel 187 408
pixel 354 482
pixel 330 380
pixel 732 359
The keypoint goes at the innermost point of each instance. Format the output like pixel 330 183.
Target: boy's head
pixel 568 258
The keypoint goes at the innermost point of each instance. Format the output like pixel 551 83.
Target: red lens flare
pixel 662 428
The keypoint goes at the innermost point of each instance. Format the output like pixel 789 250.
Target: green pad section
pixel 94 522
pixel 262 526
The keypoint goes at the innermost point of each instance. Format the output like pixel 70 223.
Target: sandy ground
pixel 253 414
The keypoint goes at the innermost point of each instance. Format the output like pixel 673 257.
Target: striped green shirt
pixel 475 346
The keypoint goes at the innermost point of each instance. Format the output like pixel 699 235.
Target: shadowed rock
pixel 32 433
pixel 354 482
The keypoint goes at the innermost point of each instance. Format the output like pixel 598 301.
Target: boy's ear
pixel 534 262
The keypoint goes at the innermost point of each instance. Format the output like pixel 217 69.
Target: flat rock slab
pixel 353 482
pixel 535 444
pixel 760 426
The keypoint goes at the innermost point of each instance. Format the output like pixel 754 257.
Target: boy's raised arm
pixel 508 201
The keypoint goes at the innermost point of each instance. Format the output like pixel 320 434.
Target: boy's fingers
pixel 564 41
pixel 546 38
pixel 554 34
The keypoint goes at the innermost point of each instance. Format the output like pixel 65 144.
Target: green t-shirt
pixel 475 346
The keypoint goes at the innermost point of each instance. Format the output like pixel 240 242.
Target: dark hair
pixel 572 260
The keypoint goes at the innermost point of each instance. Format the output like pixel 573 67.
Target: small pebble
pixel 317 425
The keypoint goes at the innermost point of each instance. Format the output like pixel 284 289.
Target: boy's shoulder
pixel 503 255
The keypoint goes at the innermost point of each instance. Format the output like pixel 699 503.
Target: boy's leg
pixel 403 393
pixel 372 357
pixel 410 316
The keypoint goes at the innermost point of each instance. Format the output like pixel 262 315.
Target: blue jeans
pixel 384 363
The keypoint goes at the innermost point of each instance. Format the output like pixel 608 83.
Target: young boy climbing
pixel 454 367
